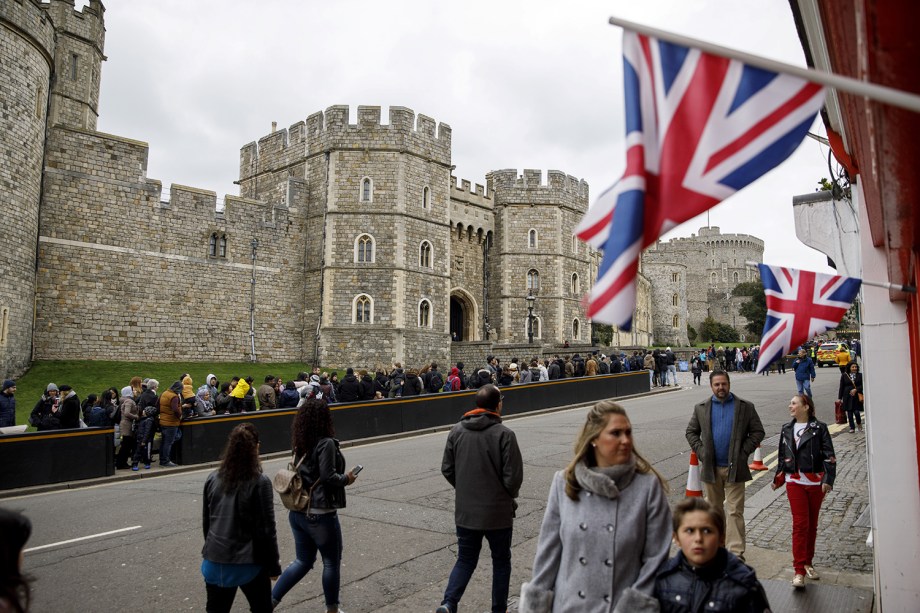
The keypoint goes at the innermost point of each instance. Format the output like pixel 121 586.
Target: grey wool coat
pixel 602 552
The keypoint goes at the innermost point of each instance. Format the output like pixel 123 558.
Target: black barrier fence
pixel 38 458
pixel 81 454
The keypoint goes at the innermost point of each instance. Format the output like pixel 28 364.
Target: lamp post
pixel 530 300
pixel 252 303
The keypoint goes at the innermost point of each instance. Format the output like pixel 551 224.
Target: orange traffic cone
pixel 694 485
pixel 758 464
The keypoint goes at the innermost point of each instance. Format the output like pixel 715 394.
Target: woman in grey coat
pixel 607 527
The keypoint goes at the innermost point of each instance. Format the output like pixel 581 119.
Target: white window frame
pixel 354 309
pixel 373 243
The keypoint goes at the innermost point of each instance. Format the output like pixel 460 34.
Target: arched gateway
pixel 464 316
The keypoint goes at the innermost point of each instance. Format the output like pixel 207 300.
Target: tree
pixel 691 334
pixel 711 330
pixel 755 309
pixel 604 334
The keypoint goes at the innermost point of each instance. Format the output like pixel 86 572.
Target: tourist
pixel 44 408
pixel 607 527
pixel 807 464
pixel 289 397
pixel 850 393
pixel 266 394
pixel 129 416
pixel 148 406
pixel 170 418
pixel 238 520
pixel 804 370
pixel 350 388
pixel 15 595
pixel 367 385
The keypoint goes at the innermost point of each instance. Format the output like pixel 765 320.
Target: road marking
pixel 82 538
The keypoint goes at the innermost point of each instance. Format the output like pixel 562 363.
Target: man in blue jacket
pixel 804 372
pixel 8 404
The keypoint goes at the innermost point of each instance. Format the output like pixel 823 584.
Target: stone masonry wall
pixel 26 48
pixel 124 275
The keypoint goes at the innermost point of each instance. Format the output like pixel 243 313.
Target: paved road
pixel 399 542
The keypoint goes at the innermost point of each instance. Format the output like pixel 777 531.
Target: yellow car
pixel 827 353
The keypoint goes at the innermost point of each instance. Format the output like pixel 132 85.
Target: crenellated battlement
pixel 87 23
pixel 466 187
pixel 532 179
pixel 332 130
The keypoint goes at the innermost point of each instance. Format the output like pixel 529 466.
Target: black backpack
pixel 435 381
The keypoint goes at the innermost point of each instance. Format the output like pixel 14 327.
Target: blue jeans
pixel 166 443
pixel 672 374
pixel 469 543
pixel 803 387
pixel 314 533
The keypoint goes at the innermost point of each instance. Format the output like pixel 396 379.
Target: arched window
pixel 713 277
pixel 222 246
pixel 576 286
pixel 364 249
pixel 367 190
pixel 675 322
pixel 574 245
pixel 537 327
pixel 362 311
pixel 533 281
pixel 532 239
pixel 735 276
pixel 424 314
pixel 426 198
pixel 576 329
pixel 424 255
pixel 212 245
pixel 675 276
pixel 675 300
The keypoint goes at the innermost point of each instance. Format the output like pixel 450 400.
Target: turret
pixel 78 57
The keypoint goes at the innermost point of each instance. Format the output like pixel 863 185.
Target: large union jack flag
pixel 698 128
pixel 800 304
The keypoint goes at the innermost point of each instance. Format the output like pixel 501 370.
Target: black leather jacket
pixel 239 526
pixel 815 452
pixel 327 464
pixel 726 584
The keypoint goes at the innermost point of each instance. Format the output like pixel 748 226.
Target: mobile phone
pixel 356 470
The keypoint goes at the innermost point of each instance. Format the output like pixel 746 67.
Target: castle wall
pixel 26 50
pixel 472 227
pixel 124 275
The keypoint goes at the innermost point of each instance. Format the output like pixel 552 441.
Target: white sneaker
pixel 798 582
pixel 811 573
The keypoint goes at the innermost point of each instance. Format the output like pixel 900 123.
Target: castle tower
pixel 535 250
pixel 26 64
pixel 78 57
pixel 376 228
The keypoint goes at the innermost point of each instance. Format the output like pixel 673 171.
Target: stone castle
pixel 350 243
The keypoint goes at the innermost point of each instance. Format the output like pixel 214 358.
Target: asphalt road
pixel 398 526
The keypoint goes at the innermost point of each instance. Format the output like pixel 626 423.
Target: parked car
pixel 827 353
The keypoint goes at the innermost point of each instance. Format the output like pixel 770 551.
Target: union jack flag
pixel 698 128
pixel 800 304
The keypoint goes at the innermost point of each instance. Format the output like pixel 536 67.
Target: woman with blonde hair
pixel 607 527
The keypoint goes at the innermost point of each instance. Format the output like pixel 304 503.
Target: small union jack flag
pixel 800 304
pixel 698 128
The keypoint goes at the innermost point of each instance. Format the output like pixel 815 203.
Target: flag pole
pixel 880 93
pixel 909 289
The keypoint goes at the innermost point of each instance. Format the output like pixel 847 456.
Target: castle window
pixel 367 190
pixel 532 239
pixel 362 311
pixel 364 249
pixel 675 277
pixel 713 278
pixel 39 107
pixel 533 281
pixel 675 321
pixel 424 314
pixel 576 329
pixel 576 286
pixel 574 245
pixel 222 246
pixel 426 198
pixel 4 325
pixel 212 245
pixel 735 276
pixel 537 327
pixel 424 255
pixel 725 310
pixel 675 300
pixel 73 66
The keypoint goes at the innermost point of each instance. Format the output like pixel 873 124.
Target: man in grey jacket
pixel 724 431
pixel 483 463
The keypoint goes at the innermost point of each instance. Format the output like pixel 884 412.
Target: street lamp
pixel 252 303
pixel 530 300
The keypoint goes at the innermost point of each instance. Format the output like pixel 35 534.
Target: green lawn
pixel 92 377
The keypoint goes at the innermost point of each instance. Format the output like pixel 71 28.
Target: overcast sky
pixel 531 84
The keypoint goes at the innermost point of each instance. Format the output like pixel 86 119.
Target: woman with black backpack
pixel 317 529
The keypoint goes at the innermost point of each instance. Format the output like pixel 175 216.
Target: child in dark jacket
pixel 704 576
